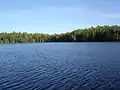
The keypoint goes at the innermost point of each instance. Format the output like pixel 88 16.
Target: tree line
pixel 93 34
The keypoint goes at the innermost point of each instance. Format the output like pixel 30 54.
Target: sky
pixel 56 16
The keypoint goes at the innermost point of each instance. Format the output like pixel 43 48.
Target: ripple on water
pixel 59 66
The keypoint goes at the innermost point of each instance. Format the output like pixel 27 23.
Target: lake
pixel 59 66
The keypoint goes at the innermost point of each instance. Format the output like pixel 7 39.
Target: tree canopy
pixel 93 34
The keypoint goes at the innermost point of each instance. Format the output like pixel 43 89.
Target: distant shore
pixel 93 34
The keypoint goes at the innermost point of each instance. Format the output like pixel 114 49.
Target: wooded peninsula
pixel 94 34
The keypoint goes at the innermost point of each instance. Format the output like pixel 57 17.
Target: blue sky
pixel 56 16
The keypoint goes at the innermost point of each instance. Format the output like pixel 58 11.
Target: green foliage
pixel 93 34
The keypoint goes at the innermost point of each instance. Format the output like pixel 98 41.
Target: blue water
pixel 59 66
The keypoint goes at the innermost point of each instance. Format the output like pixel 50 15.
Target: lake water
pixel 59 66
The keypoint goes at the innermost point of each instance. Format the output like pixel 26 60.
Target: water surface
pixel 59 66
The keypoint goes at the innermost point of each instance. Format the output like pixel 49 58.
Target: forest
pixel 93 34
